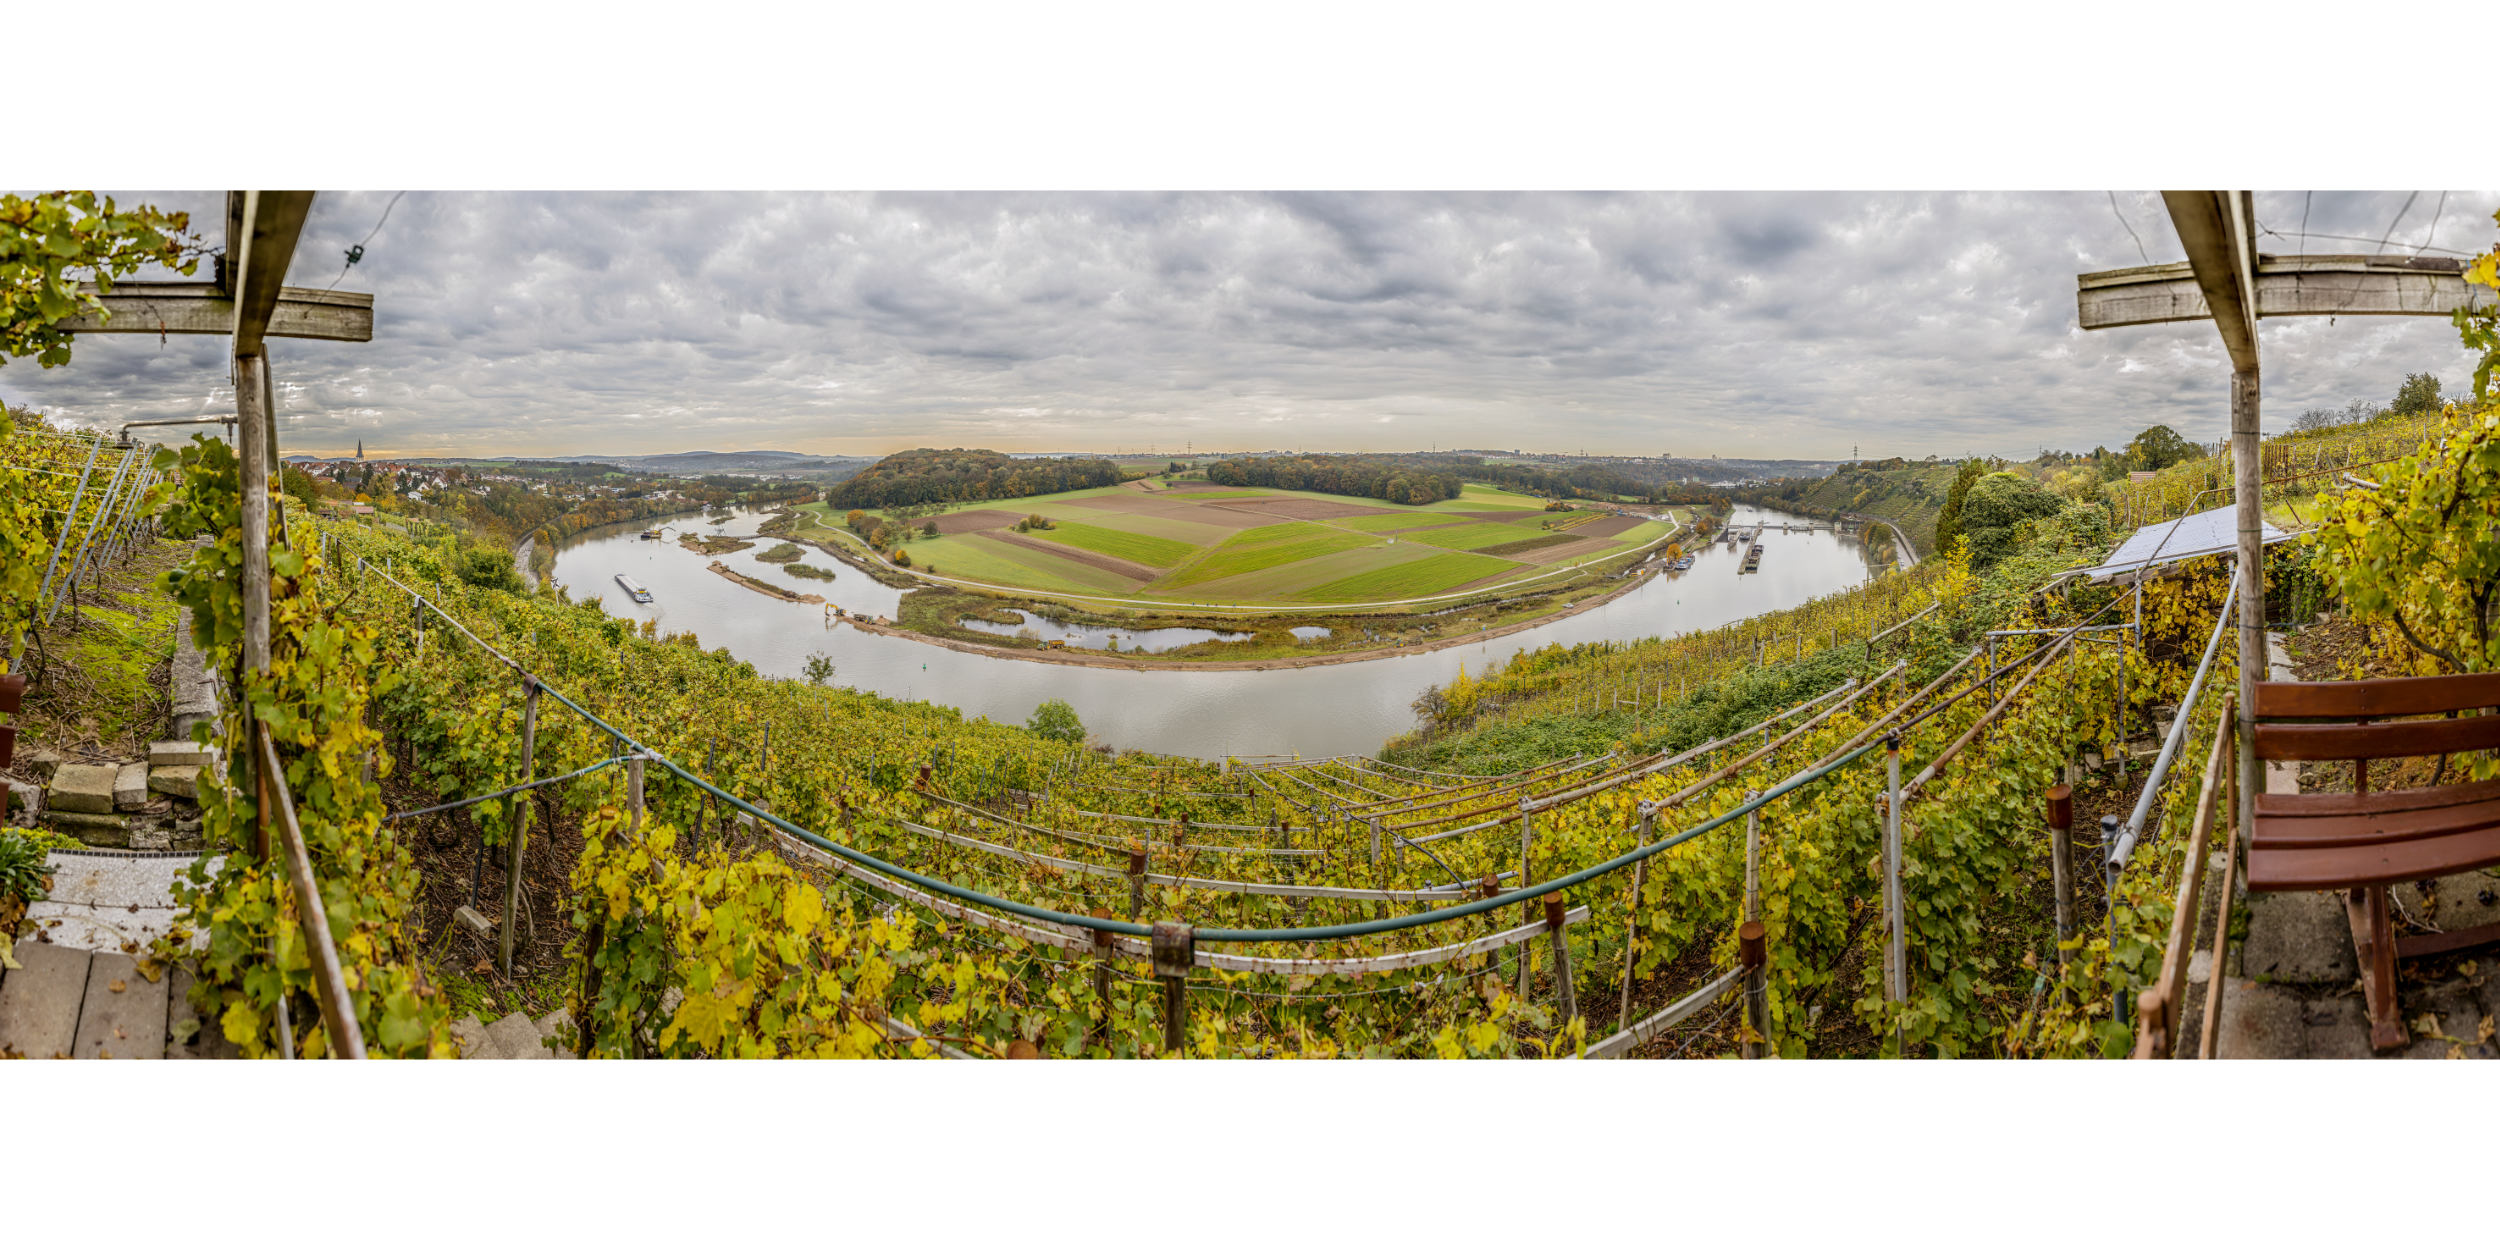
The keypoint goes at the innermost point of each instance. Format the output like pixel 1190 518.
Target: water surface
pixel 1323 710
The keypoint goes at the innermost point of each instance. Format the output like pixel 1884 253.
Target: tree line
pixel 926 475
pixel 1364 477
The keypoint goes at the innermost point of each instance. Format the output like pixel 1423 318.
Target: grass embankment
pixel 98 671
pixel 1677 692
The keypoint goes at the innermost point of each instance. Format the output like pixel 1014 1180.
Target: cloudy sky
pixel 1774 324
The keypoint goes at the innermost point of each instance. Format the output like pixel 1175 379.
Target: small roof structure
pixel 2199 534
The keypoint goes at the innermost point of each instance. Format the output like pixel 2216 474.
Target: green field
pixel 980 560
pixel 1403 519
pixel 1144 548
pixel 1405 581
pixel 1235 558
pixel 1468 537
pixel 1244 546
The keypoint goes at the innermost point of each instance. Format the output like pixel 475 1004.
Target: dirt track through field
pixel 1173 510
pixel 1566 551
pixel 977 519
pixel 1109 564
pixel 1607 527
pixel 1298 509
pixel 1544 545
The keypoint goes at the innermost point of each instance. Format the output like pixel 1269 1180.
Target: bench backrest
pixel 2350 702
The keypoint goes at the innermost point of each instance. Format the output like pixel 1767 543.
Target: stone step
pixel 90 828
pixel 25 803
pixel 38 764
pixel 194 692
pixel 82 788
pixel 180 754
pixel 130 787
pixel 514 1036
pixel 182 781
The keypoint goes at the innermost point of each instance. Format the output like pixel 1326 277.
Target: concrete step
pixel 2299 939
pixel 39 1000
pixel 105 902
pixel 188 1033
pixel 124 1013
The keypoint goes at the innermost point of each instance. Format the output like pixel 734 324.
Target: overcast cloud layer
pixel 1779 325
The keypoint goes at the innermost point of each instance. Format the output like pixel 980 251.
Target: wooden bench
pixel 2365 841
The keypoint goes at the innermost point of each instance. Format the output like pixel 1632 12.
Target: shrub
pixel 1056 720
pixel 490 569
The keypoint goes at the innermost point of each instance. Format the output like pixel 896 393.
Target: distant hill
pixel 777 462
pixel 1908 493
pixel 822 469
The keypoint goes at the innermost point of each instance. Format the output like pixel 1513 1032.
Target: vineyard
pixel 710 863
pixel 1670 847
pixel 2298 468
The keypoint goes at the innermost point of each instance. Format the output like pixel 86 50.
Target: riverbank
pixel 763 588
pixel 1142 663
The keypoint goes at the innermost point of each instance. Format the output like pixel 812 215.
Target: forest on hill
pixel 1366 477
pixel 1414 477
pixel 961 475
pixel 1655 483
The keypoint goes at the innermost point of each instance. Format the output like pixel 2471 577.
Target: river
pixel 1329 709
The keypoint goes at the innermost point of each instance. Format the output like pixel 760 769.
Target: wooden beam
pixel 2287 286
pixel 204 308
pixel 271 222
pixel 2218 230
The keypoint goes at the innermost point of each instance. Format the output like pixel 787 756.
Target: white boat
pixel 640 593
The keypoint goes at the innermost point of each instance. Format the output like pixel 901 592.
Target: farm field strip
pixel 1246 548
pixel 1413 577
pixel 1295 580
pixel 1232 561
pixel 1394 521
pixel 1135 545
pixel 978 558
pixel 1470 537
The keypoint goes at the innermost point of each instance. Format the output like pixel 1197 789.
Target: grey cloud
pixel 1740 323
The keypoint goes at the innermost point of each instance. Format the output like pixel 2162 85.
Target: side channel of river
pixel 1325 710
